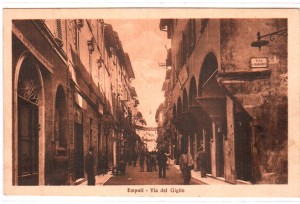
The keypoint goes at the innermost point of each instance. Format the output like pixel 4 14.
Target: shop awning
pixel 214 106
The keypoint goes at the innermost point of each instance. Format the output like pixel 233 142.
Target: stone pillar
pixel 229 150
pixel 195 150
pixel 213 151
pixel 114 153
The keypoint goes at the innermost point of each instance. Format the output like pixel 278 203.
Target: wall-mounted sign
pixel 259 62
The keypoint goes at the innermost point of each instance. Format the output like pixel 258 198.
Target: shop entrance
pixel 79 152
pixel 220 153
pixel 242 146
pixel 207 147
pixel 28 143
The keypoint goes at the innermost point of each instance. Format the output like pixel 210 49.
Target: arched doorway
pixel 60 125
pixel 60 174
pixel 29 105
pixel 213 102
pixel 207 81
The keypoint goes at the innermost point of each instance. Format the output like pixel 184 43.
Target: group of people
pixel 186 163
pixel 161 159
pixel 150 159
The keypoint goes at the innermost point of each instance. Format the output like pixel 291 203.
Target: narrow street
pixel 133 176
pixel 101 93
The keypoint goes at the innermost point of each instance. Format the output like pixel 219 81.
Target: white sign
pixel 259 62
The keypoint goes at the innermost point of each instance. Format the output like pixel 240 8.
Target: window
pixel 192 33
pixel 58 33
pixel 186 45
pixel 58 29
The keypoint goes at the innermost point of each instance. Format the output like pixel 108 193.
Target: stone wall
pixel 263 96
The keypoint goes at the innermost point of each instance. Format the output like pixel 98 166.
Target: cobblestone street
pixel 133 176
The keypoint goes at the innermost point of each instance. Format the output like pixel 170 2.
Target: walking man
pixel 89 167
pixel 162 162
pixel 201 158
pixel 142 160
pixel 186 165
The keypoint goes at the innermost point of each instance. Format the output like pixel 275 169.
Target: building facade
pixel 71 91
pixel 228 96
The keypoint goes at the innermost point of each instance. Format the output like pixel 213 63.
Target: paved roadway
pixel 133 176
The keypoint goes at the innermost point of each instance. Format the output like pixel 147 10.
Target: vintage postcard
pixel 151 102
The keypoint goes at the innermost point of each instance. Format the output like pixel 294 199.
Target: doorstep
pixel 100 179
pixel 79 181
pixel 209 179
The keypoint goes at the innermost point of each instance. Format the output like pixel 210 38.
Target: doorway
pixel 207 138
pixel 29 116
pixel 79 152
pixel 220 152
pixel 242 146
pixel 28 150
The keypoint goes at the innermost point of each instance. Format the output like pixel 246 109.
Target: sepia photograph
pixel 150 104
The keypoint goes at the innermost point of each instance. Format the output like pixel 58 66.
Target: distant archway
pixel 209 69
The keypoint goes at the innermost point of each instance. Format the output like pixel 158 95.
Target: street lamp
pixel 260 43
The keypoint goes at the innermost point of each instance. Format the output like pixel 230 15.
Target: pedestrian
pixel 122 165
pixel 162 162
pixel 201 161
pixel 153 163
pixel 142 160
pixel 129 159
pixel 102 167
pixel 186 165
pixel 148 162
pixel 89 167
pixel 134 159
pixel 168 160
